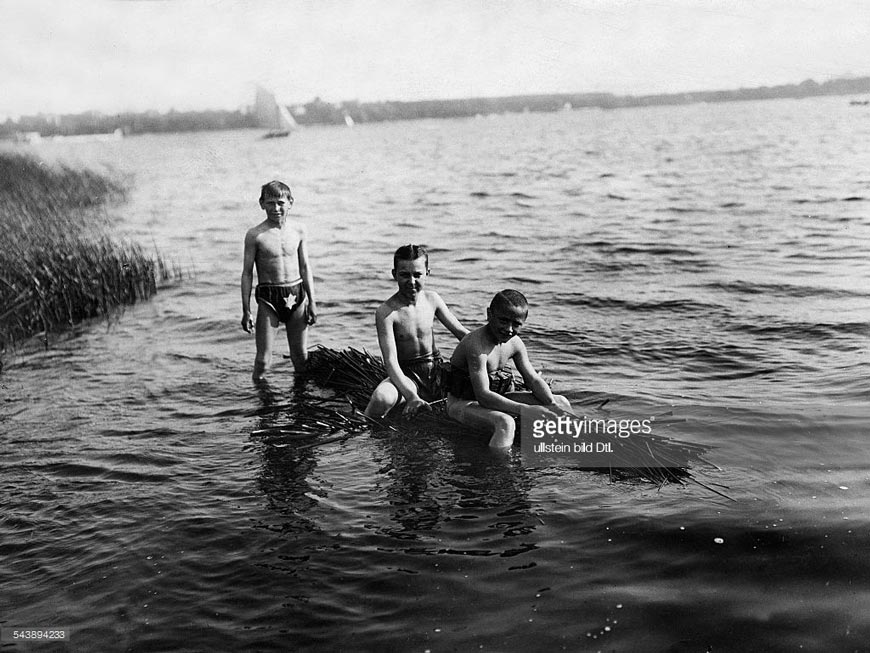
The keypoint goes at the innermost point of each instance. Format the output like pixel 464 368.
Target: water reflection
pixel 437 477
pixel 287 465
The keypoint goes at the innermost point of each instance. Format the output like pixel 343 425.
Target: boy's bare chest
pixel 276 243
pixel 413 321
pixel 499 357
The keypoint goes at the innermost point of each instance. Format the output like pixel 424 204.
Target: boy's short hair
pixel 410 253
pixel 275 189
pixel 509 299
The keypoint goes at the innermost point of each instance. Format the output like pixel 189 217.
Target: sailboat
pixel 272 115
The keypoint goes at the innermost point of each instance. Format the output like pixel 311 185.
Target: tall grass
pixel 58 264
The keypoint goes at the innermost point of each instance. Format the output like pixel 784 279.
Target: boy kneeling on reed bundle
pixel 480 387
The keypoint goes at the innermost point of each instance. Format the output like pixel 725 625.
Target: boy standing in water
pixel 285 284
pixel 480 389
pixel 404 323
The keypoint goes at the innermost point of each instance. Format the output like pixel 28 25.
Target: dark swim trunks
pixel 283 298
pixel 501 382
pixel 426 373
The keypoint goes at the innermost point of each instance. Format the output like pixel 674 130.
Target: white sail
pixel 286 119
pixel 272 115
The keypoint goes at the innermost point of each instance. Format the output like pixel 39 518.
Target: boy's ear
pixel 393 273
pixel 261 204
pixel 488 314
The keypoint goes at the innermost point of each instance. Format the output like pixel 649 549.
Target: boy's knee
pixel 382 400
pixel 503 435
pixel 504 423
pixel 562 402
pixel 378 407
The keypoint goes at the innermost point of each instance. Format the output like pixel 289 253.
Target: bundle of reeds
pixel 58 266
pixel 354 374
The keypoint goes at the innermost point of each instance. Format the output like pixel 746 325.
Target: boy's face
pixel 411 277
pixel 505 323
pixel 276 207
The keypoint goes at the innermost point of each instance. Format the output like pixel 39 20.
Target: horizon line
pixel 838 78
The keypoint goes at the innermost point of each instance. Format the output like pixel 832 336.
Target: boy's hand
pixel 547 412
pixel 552 412
pixel 310 314
pixel 414 406
pixel 247 322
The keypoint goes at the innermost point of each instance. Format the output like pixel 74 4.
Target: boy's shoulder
pixel 258 229
pixel 479 341
pixel 475 340
pixel 431 296
pixel 392 303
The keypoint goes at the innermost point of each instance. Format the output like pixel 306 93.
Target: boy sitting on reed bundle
pixel 480 387
pixel 404 323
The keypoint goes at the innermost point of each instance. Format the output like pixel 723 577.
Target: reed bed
pixel 58 265
pixel 354 374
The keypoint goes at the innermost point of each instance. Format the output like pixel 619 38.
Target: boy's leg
pixel 267 321
pixel 471 413
pixel 297 337
pixel 383 399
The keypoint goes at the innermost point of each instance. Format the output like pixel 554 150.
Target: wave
pixel 782 290
pixel 98 472
pixel 825 331
pixel 655 250
pixel 676 306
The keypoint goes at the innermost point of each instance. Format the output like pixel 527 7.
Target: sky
pixel 71 56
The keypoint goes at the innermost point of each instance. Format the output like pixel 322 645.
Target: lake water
pixel 709 262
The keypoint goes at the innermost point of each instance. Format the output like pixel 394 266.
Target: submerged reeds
pixel 58 265
pixel 354 374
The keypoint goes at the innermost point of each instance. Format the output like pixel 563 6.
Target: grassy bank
pixel 58 264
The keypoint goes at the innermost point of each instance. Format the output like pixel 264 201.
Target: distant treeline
pixel 327 113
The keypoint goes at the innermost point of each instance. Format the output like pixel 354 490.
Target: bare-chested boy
pixel 404 323
pixel 480 389
pixel 285 286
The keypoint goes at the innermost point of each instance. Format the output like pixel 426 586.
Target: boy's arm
pixel 307 278
pixel 248 280
pixel 387 342
pixel 479 376
pixel 531 378
pixel 448 319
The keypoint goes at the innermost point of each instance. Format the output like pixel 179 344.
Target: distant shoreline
pixel 319 112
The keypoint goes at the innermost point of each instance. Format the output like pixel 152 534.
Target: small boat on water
pixel 273 115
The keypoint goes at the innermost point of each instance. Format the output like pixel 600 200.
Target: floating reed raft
pixel 354 374
pixel 58 266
